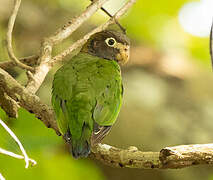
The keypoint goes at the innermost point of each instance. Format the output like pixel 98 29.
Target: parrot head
pixel 109 45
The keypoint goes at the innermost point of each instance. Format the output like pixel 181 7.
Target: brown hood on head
pixel 97 45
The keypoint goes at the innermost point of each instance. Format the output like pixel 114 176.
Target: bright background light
pixel 196 17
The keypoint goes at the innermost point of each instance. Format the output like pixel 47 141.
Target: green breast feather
pixel 86 95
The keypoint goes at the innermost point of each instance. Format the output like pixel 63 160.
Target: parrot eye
pixel 110 42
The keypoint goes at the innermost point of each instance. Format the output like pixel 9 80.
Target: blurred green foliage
pixel 46 148
pixel 156 23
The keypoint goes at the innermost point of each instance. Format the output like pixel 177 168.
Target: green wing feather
pixel 109 97
pixel 86 91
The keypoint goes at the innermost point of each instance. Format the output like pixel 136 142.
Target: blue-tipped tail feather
pixel 80 149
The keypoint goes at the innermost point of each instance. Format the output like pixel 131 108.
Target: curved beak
pixel 123 55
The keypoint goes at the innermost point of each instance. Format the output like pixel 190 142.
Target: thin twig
pixel 9 36
pixel 119 25
pixel 210 44
pixel 1 177
pixel 17 156
pixel 30 61
pixel 102 27
pixel 73 24
pixel 78 43
pixel 26 158
pixel 124 9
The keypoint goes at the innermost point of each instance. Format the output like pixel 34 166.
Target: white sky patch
pixel 196 17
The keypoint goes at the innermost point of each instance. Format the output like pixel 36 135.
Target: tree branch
pixel 102 27
pixel 47 44
pixel 61 34
pixel 167 158
pixel 186 155
pixel 75 23
pixel 25 99
pixel 9 37
pixel 131 157
pixel 14 95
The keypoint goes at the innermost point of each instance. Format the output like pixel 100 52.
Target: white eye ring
pixel 111 42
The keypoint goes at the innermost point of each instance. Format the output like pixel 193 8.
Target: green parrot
pixel 87 91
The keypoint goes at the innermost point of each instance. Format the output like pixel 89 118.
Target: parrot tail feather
pixel 82 149
pixel 79 147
